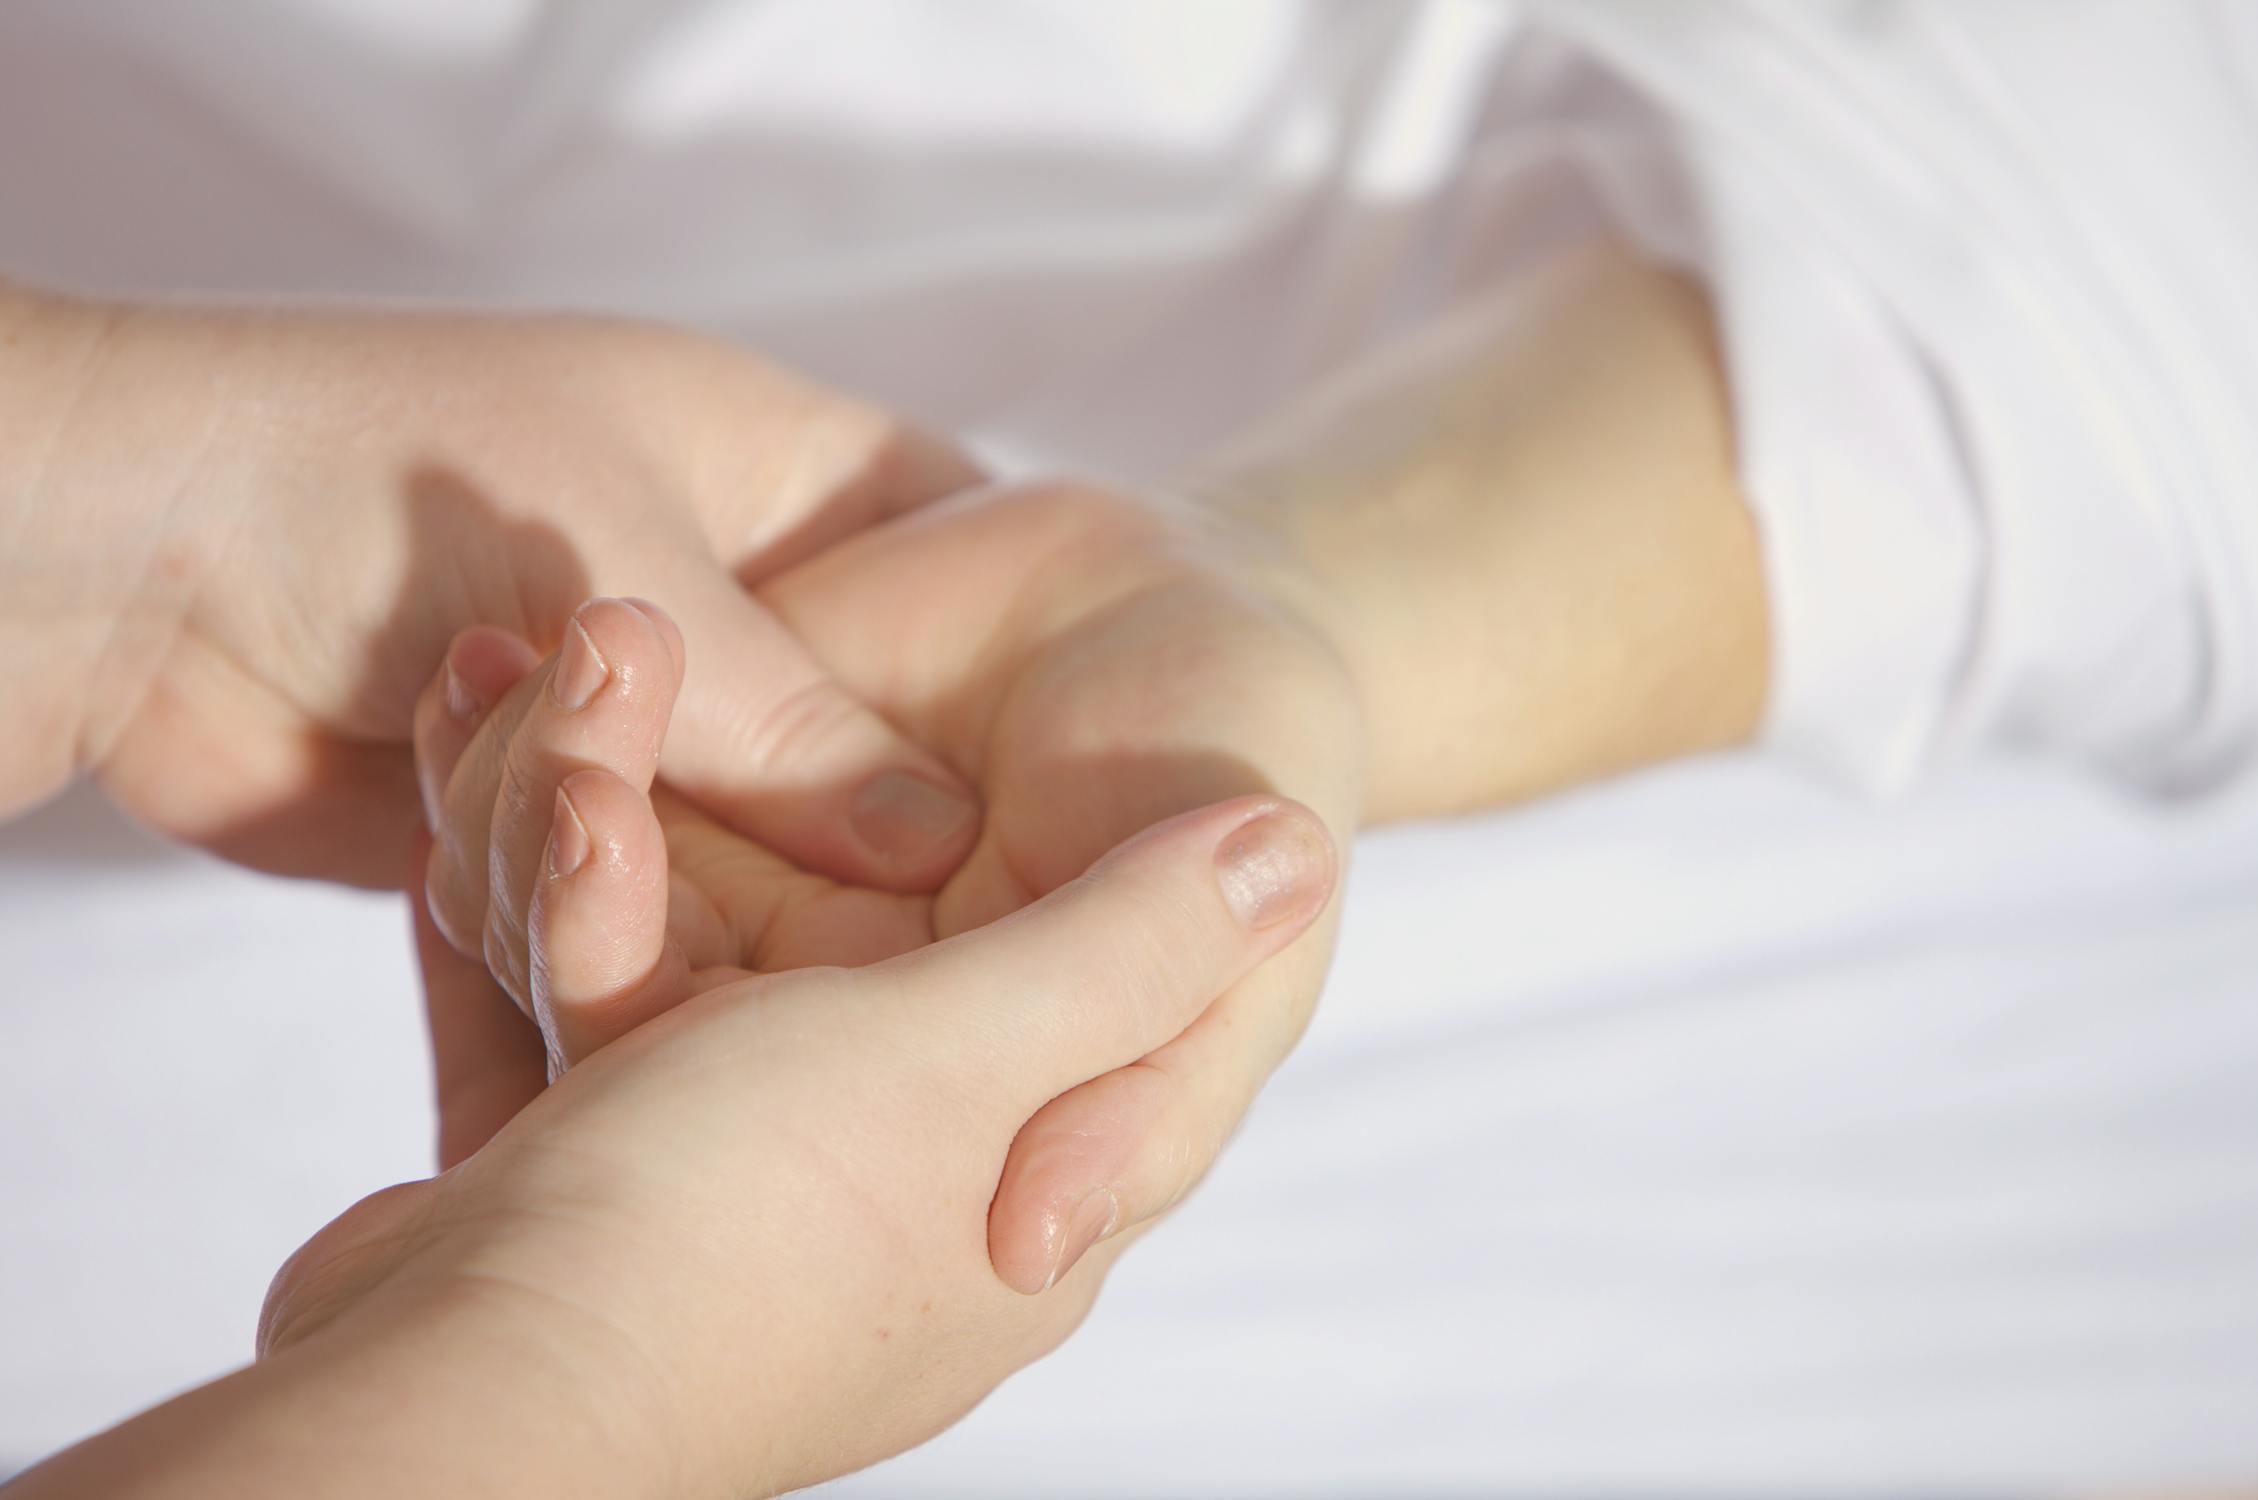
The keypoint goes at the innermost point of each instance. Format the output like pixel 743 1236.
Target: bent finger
pixel 603 960
pixel 482 664
pixel 460 880
pixel 608 696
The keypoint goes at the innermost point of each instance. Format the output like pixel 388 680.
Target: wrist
pixel 89 577
pixel 1523 535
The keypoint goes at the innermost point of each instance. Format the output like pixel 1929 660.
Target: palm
pixel 1080 659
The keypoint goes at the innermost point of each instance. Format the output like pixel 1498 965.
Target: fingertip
pixel 1273 861
pixel 568 836
pixel 634 636
pixel 1107 968
pixel 1080 1150
pixel 1277 869
pixel 600 816
pixel 778 748
pixel 483 663
pixel 669 632
pixel 619 653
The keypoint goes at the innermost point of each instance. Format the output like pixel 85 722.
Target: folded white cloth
pixel 1984 275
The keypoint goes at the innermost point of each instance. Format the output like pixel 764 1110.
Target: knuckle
pixel 795 726
pixel 520 794
pixel 1194 1123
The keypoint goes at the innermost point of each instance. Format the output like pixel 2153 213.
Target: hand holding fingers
pixel 834 1132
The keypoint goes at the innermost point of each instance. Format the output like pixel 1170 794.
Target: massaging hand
pixel 251 535
pixel 764 1209
pixel 1090 664
pixel 740 1250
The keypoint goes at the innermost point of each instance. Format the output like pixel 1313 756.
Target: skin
pixel 495 1330
pixel 234 543
pixel 1090 667
pixel 1091 662
pixel 1525 537
pixel 1520 564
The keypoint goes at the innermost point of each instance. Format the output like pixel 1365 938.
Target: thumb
pixel 766 740
pixel 1115 963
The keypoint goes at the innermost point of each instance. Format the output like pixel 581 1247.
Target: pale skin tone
pixel 1524 566
pixel 237 542
pixel 587 1308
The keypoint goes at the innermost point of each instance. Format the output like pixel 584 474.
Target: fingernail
pixel 568 837
pixel 580 669
pixel 1275 869
pixel 482 664
pixel 1092 1220
pixel 900 815
pixel 463 700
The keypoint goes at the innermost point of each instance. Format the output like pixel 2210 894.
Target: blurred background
pixel 1716 1129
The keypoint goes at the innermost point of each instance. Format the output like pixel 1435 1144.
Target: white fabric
pixel 1700 1132
pixel 1984 275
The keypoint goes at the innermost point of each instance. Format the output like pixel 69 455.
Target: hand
pixel 236 542
pixel 746 1241
pixel 1518 562
pixel 1090 663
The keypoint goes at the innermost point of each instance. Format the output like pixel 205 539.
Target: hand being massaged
pixel 1088 664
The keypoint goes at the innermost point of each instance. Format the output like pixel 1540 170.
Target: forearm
pixel 82 545
pixel 464 1403
pixel 1527 542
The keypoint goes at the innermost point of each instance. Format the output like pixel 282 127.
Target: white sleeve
pixel 1984 281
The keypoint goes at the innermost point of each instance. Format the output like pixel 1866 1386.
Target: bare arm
pixel 1526 540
